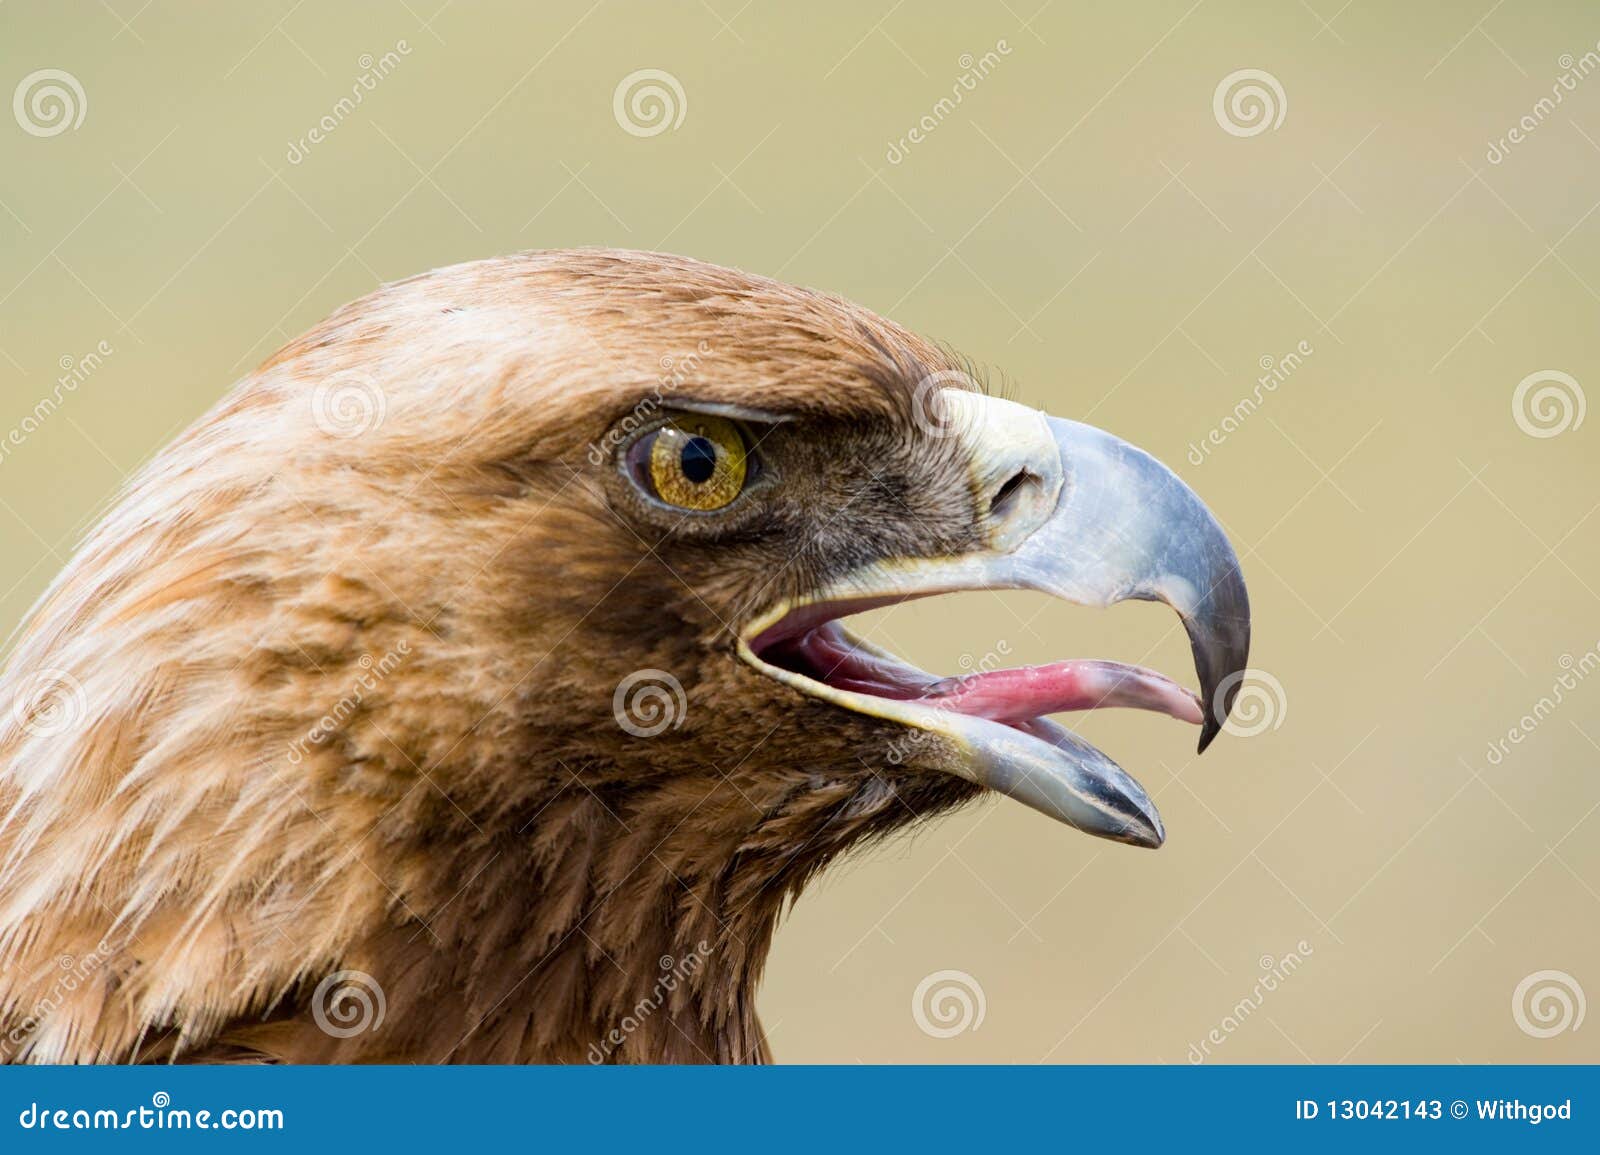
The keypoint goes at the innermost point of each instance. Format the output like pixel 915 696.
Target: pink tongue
pixel 1028 692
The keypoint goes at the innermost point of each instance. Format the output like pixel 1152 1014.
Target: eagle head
pixel 475 665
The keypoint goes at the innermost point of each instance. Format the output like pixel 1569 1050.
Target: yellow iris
pixel 698 463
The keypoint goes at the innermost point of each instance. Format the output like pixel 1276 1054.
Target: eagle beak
pixel 1069 510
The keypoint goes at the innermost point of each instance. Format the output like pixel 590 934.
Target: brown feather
pixel 344 703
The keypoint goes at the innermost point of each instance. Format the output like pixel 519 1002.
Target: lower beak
pixel 1077 513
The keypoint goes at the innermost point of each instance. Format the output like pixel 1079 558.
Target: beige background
pixel 1418 563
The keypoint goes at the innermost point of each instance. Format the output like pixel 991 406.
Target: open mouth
pixel 1106 523
pixel 1017 696
pixel 996 719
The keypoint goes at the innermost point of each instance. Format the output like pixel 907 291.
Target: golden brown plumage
pixel 324 706
pixel 476 833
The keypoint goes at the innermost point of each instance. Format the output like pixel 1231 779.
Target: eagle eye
pixel 695 462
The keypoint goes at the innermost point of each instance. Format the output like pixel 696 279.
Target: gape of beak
pixel 1067 510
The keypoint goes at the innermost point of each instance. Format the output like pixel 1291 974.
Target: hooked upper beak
pixel 1065 509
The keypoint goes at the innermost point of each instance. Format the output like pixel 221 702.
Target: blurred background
pixel 1338 263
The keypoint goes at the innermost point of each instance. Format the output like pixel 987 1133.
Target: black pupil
pixel 698 459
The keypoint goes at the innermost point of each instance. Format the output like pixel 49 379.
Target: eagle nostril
pixel 1005 497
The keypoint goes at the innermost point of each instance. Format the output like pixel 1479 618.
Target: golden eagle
pixel 478 657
